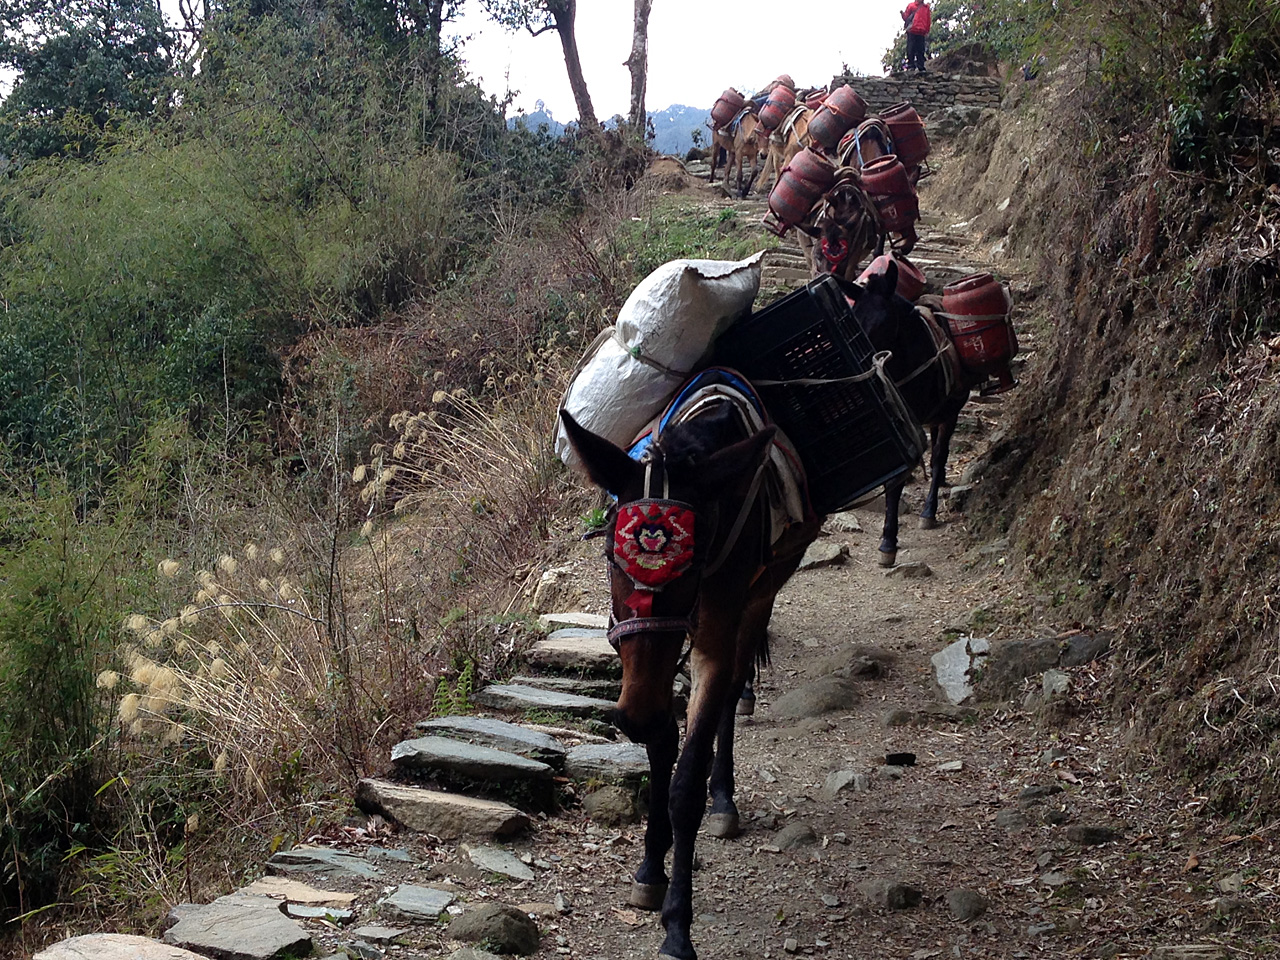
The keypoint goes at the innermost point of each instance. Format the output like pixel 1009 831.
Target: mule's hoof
pixel 724 826
pixel 746 707
pixel 928 523
pixel 647 896
pixel 888 559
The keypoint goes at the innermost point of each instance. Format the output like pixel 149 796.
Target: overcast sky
pixel 696 49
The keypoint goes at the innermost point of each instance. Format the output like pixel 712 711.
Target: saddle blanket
pixel 784 483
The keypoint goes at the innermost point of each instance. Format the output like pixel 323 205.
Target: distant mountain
pixel 673 127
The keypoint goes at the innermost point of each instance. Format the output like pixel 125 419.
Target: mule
pixel 748 138
pixel 700 478
pixel 842 229
pixel 790 138
pixel 926 369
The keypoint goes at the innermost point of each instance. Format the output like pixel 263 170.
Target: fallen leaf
pixel 1192 863
pixel 1067 775
pixel 629 917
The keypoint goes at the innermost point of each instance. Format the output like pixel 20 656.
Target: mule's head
pixel 845 227
pixel 882 312
pixel 670 517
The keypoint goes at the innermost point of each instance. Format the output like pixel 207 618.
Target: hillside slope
pixel 1139 476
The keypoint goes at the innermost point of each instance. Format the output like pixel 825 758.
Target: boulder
pixel 607 761
pixel 611 806
pixel 814 699
pixel 956 665
pixel 499 927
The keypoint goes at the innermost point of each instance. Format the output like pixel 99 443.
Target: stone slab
pixel 499 861
pixel 508 696
pixel 449 816
pixel 561 621
pixel 301 911
pixel 953 666
pixel 377 933
pixel 607 761
pixel 324 861
pixel 604 689
pixel 466 759
pixel 236 927
pixel 294 891
pixel 587 654
pixel 498 734
pixel 417 903
pixel 114 946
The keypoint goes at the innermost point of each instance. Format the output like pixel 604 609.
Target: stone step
pixel 466 759
pixel 324 862
pixel 579 651
pixel 552 622
pixel 505 696
pixel 628 762
pixel 449 816
pixel 236 925
pixel 499 734
pixel 114 946
pixel 604 689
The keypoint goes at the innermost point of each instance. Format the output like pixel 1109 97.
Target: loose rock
pixel 846 522
pixel 416 903
pixel 839 781
pixel 294 891
pixel 1055 684
pixel 955 665
pixel 1012 661
pixel 611 806
pixel 909 571
pixel 821 696
pixel 966 905
pixel 499 926
pixel 823 554
pixel 495 860
pixel 891 895
pixel 449 816
pixel 795 835
pixel 236 927
pixel 376 933
pixel 1091 835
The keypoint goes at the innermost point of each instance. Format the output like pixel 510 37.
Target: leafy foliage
pixel 84 66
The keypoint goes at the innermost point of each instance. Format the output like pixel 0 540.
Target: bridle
pixel 654 536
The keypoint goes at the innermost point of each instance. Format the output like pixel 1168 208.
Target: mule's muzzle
pixel 639 729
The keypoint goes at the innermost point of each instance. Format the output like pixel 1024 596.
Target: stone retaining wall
pixel 928 93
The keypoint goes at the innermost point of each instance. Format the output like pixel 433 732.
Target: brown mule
pixel 694 505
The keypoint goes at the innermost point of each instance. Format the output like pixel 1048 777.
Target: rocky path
pixel 882 818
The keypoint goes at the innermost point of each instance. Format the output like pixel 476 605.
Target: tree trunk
pixel 565 12
pixel 638 64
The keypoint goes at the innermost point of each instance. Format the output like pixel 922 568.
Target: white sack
pixel 671 319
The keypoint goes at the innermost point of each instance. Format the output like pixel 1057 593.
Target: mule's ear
pixel 606 464
pixel 729 472
pixel 884 284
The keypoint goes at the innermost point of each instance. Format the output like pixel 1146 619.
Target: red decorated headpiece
pixel 652 544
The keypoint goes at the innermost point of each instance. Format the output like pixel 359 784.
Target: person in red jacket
pixel 918 18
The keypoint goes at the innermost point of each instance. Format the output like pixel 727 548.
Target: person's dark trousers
pixel 915 51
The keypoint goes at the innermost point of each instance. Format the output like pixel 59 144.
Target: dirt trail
pixel 1008 825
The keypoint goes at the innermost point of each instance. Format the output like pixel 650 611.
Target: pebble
pixel 1010 819
pixel 791 945
pixel 891 894
pixel 951 766
pixel 890 771
pixel 839 781
pixel 1039 791
pixel 795 835
pixel 909 571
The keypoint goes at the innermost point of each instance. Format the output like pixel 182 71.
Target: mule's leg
pixel 940 443
pixel 715 155
pixel 712 679
pixel 889 536
pixel 650 886
pixel 723 820
pixel 747 699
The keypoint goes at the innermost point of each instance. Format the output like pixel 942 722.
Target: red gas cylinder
pixel 979 313
pixel 814 100
pixel 727 107
pixel 780 103
pixel 910 277
pixel 842 109
pixel 801 183
pixel 910 142
pixel 886 183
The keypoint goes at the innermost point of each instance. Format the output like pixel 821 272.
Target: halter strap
pixel 625 628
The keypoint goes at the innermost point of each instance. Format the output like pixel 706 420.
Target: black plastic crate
pixel 850 437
